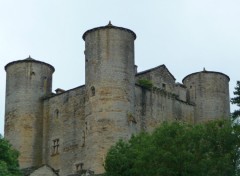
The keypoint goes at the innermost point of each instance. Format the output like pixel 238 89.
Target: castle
pixel 71 131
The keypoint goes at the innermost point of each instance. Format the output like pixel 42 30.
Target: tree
pixel 178 149
pixel 236 100
pixel 8 159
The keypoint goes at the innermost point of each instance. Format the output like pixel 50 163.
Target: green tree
pixel 236 100
pixel 178 149
pixel 8 159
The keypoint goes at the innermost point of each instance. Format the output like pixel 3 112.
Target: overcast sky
pixel 185 35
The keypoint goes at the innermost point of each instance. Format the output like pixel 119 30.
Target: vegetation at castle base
pixel 145 83
pixel 178 149
pixel 236 100
pixel 8 159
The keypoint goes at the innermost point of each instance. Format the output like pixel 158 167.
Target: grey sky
pixel 185 35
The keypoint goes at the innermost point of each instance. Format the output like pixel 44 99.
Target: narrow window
pixel 56 113
pixel 93 91
pixel 164 86
pixel 55 147
pixel 45 84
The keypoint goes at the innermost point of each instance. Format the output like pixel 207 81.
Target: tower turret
pixel 109 54
pixel 210 92
pixel 28 81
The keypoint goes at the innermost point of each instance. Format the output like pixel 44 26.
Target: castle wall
pixel 27 82
pixel 72 131
pixel 210 92
pixel 64 137
pixel 110 79
pixel 155 106
pixel 181 91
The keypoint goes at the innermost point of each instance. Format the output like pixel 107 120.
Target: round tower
pixel 110 82
pixel 28 81
pixel 209 91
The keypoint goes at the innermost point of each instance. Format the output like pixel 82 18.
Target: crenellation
pixel 69 132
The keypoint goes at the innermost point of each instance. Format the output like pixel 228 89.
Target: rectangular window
pixel 79 167
pixel 55 147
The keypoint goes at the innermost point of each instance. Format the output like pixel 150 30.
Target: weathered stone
pixel 71 131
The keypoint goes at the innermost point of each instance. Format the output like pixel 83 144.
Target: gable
pixel 160 76
pixel 43 171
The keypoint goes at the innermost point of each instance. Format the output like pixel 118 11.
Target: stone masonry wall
pixel 210 92
pixel 64 120
pixel 64 133
pixel 72 131
pixel 155 106
pixel 110 81
pixel 27 82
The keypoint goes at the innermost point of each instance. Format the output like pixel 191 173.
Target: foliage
pixel 178 149
pixel 8 159
pixel 236 100
pixel 145 83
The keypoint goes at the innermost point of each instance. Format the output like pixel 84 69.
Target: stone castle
pixel 68 132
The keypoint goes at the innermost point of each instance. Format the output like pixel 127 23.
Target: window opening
pixel 55 147
pixel 93 91
pixel 56 113
pixel 164 86
pixel 79 166
pixel 32 73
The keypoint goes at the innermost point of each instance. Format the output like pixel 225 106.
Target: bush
pixel 145 83
pixel 8 159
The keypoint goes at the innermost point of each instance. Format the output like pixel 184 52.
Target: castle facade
pixel 71 131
